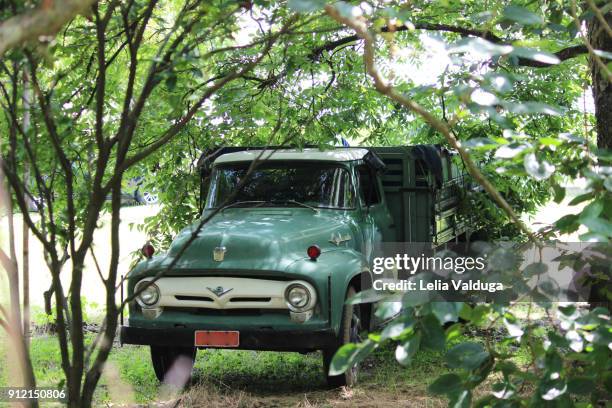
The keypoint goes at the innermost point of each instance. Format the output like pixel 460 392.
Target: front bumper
pixel 262 339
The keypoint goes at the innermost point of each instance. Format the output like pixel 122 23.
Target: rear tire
pixel 350 327
pixel 176 361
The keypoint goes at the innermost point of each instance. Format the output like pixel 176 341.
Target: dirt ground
pixel 340 398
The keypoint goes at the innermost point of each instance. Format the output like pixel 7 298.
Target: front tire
pixel 350 328
pixel 173 365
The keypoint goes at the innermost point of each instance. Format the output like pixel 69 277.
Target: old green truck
pixel 290 240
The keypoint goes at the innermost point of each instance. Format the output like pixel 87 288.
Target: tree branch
pixel 388 90
pixel 46 20
pixel 175 129
pixel 563 54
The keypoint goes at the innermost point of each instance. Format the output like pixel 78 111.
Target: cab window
pixel 280 183
pixel 368 186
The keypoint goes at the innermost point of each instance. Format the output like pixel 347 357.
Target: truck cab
pixel 288 238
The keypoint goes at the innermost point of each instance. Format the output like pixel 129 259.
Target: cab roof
pixel 339 155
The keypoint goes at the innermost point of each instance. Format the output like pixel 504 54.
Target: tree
pixel 326 77
pixel 417 325
pixel 95 107
pixel 143 87
pixel 600 37
pixel 45 21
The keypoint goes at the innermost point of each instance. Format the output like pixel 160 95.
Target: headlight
pixel 149 296
pixel 298 297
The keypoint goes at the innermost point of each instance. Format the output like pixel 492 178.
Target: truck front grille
pixel 251 299
pixel 196 298
pixel 225 312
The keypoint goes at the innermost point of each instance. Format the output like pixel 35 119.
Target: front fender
pixel 332 272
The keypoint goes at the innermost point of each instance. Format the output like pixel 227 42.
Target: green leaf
pixel 446 384
pixel 530 108
pixel 462 399
pixel 453 332
pixel 514 329
pixel 571 138
pixel 592 210
pixel 484 98
pixel 446 311
pixel 538 170
pixel 171 81
pixel 536 55
pixel 581 385
pixel 506 367
pixel 341 360
pixel 386 310
pixel 479 314
pixel 510 151
pixel 559 193
pixel 468 355
pixel 500 82
pixel 395 328
pixel 479 46
pixel 607 382
pixel 521 15
pixel 404 352
pixel 534 269
pixel 415 298
pixel 550 141
pixel 306 6
pixel 567 310
pixel 608 183
pixel 350 354
pixel 480 143
pixel 581 198
pixel 433 334
pixel 367 296
pixel 598 225
pixel 551 390
pixel 466 312
pixel 550 288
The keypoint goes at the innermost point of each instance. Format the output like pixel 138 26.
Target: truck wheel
pixel 173 365
pixel 350 328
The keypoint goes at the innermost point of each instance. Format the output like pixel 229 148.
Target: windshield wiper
pixel 242 202
pixel 294 202
pixel 259 203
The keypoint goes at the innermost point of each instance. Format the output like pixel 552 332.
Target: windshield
pixel 271 184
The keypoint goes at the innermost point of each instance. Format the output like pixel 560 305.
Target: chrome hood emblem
pixel 219 253
pixel 220 290
pixel 337 238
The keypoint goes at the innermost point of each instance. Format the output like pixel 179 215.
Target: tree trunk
pixel 19 356
pixel 25 264
pixel 601 83
pixel 600 39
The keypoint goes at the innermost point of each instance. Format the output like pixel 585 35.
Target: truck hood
pixel 257 239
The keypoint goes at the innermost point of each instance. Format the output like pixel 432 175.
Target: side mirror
pixel 204 186
pixel 374 162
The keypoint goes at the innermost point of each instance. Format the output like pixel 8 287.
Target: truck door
pixel 378 222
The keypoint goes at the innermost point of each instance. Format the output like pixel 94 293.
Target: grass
pixel 240 378
pixel 243 378
pixel 247 378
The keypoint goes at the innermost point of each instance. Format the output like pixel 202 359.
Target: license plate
pixel 216 338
